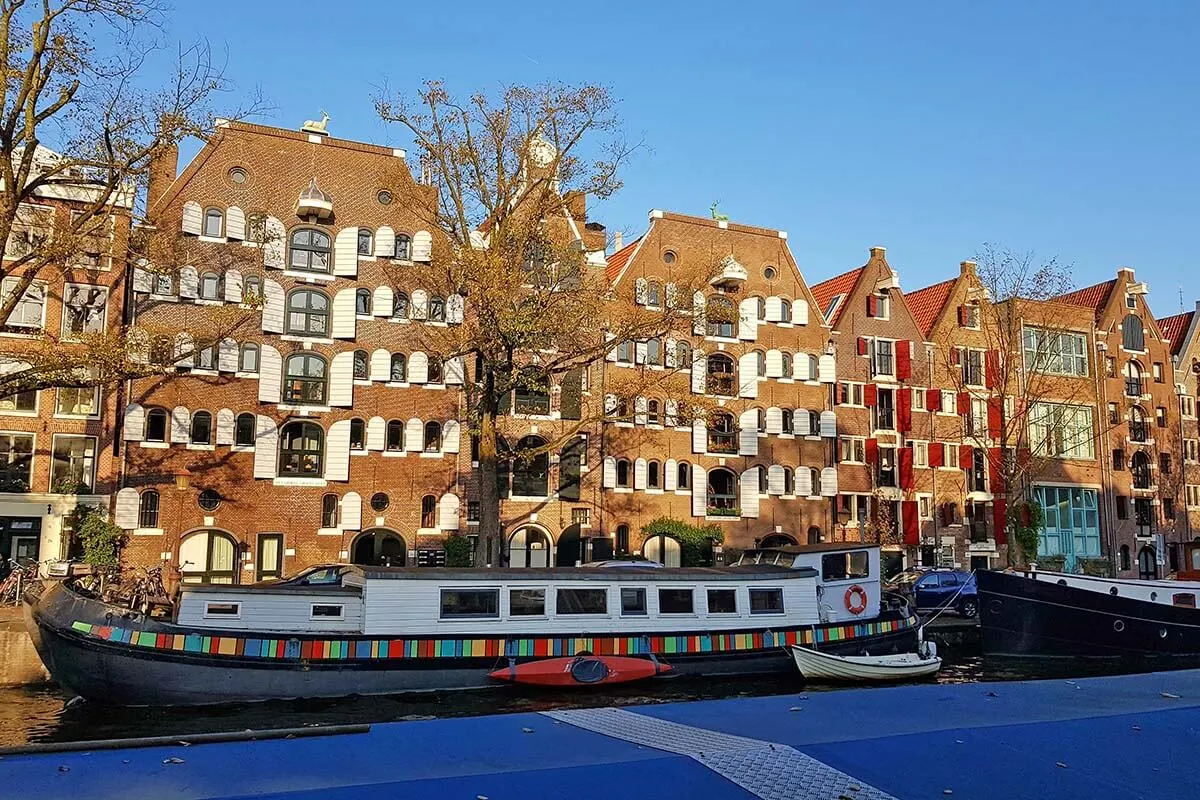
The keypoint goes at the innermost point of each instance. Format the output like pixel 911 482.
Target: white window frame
pixel 949 403
pixel 33 454
pixel 25 225
pixel 950 456
pixel 925 506
pixel 95 455
pixel 857 445
pixel 97 403
pixel 920 453
pixel 8 285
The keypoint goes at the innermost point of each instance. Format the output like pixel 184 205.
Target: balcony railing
pixel 722 384
pixel 1133 387
pixel 721 442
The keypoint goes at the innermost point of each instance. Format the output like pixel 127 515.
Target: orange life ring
pixel 856 607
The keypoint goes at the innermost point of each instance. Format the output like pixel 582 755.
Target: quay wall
pixel 19 662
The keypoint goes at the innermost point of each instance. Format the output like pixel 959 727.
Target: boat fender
pixel 856 599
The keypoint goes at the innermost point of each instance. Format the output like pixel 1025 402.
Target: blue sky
pixel 1069 128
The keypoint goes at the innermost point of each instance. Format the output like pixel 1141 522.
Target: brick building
pixel 1181 330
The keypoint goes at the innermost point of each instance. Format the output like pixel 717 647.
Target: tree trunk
pixel 489 546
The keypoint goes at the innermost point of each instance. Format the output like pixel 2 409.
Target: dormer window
pixel 834 304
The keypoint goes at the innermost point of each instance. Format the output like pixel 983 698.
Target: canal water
pixel 47 714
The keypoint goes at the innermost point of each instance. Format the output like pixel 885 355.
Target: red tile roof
pixel 843 284
pixel 925 304
pixel 618 260
pixel 1093 297
pixel 1175 328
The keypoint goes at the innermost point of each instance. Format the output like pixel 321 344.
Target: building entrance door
pixel 21 538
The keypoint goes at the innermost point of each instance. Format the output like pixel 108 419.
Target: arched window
pixel 1125 561
pixel 722 433
pixel 653 414
pixel 531 468
pixel 362 302
pixel 722 490
pixel 309 250
pixel 201 428
pixel 624 473
pixel 358 434
pixel 761 308
pixel 304 379
pixel 789 481
pixel 252 289
pixel 788 421
pixel 654 352
pixel 435 374
pixel 400 306
pixel 531 396
pixel 308 313
pixel 777 540
pixel 301 449
pixel 433 437
pixel 399 368
pixel 248 359
pixel 1133 379
pixel 653 475
pixel 721 379
pixel 721 316
pixel 329 509
pixel 1133 335
pixel 210 286
pixel 529 547
pixel 205 357
pixel 362 365
pixel 653 294
pixel 815 481
pixel 164 284
pixel 208 557
pixel 761 420
pixel 395 435
pixel 786 358
pixel 365 242
pixel 1139 466
pixel 683 475
pixel 1139 428
pixel 428 511
pixel 814 535
pixel 437 309
pixel 785 310
pixel 214 223
pixel 683 355
pixel 403 248
pixel 148 509
pixel 156 425
pixel 764 485
pixel 243 430
pixel 622 539
pixel 760 363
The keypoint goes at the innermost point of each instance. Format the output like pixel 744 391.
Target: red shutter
pixel 962 316
pixel 843 393
pixel 903 360
pixel 991 368
pixel 908 513
pixel 994 469
pixel 872 451
pixel 1000 520
pixel 933 399
pixel 964 404
pixel 872 305
pixel 936 454
pixel 965 451
pixel 993 407
pixel 904 410
pixel 862 346
pixel 906 468
pixel 870 395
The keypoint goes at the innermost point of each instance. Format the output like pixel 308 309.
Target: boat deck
pixel 997 740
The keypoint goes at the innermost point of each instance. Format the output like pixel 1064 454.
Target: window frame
pixel 312 250
pixel 313 318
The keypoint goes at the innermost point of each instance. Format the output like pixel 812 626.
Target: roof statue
pixel 312 126
pixel 718 217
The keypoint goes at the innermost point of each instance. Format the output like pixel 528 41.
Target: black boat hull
pixel 1026 618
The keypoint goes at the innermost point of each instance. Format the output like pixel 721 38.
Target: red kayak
pixel 581 671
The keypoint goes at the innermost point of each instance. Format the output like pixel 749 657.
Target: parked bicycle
pixel 21 579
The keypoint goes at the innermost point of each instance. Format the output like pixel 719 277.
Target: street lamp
pixel 183 479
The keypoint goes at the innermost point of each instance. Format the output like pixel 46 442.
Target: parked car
pixel 936 589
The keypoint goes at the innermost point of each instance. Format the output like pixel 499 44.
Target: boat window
pixel 675 601
pixel 766 601
pixel 222 609
pixel 527 602
pixel 582 601
pixel 1185 599
pixel 633 602
pixel 327 611
pixel 470 603
pixel 843 566
pixel 722 601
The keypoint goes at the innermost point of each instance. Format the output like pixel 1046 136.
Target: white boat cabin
pixel 1164 592
pixel 848 575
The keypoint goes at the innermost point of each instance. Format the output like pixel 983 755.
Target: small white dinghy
pixel 815 665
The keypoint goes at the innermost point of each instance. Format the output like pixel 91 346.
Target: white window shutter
pixel 609 478
pixel 181 424
pixel 671 475
pixel 699 436
pixel 185 349
pixel 233 286
pixel 803 482
pixel 266 445
pixel 272 307
pixel 135 423
pixel 345 253
pixel 376 433
pixel 639 473
pixel 748 319
pixel 337 451
pixel 800 423
pixel 385 242
pixel 125 511
pixel 671 414
pixel 350 512
pixel 381 365
pixel 639 411
pixel 420 304
pixel 235 223
pixel 270 374
pixel 748 483
pixel 189 282
pixel 381 303
pixel 227 355
pixel 422 246
pixel 671 358
pixel 748 433
pixel 828 424
pixel 274 244
pixel 456 371
pixel 827 369
pixel 774 364
pixel 699 491
pixel 225 426
pixel 344 316
pixel 639 352
pixel 455 306
pixel 748 375
pixel 414 436
pixel 610 353
pixel 774 309
pixel 774 420
pixel 699 372
pixel 418 368
pixel 448 507
pixel 672 295
pixel 193 217
pixel 640 290
pixel 699 323
pixel 829 482
pixel 142 280
pixel 800 311
pixel 341 380
pixel 451 436
pixel 775 480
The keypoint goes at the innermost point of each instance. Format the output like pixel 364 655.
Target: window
pixel 760 364
pixel 1122 507
pixel 428 511
pixel 767 601
pixel 625 352
pixel 365 242
pixel 787 364
pixel 32 227
pixel 653 294
pixel 882 360
pixel 722 492
pixel 653 413
pixel 722 433
pixel 918 400
pixel 309 250
pixel 243 430
pixel 358 434
pixel 437 309
pixel 329 509
pixel 721 315
pixel 395 436
pixel 148 509
pixel 362 302
pixel 210 286
pixel 222 609
pixel 920 454
pixel 1055 352
pixel 1133 336
pixel 970 316
pixel 20 401
pixel 156 425
pixel 1191 450
pixel 73 464
pixel 624 473
pixel 1114 414
pixel 853 449
pixel 850 394
pixel 722 601
pixel 399 368
pixel 844 566
pixel 950 456
pixel 301 449
pixel 164 285
pixel 684 478
pixel 532 395
pixel 205 358
pixel 1062 431
pixel 16 462
pixel 214 223
pixel 1143 516
pixel 252 289
pixel 633 602
pixel 1160 416
pixel 83 310
pixel 362 365
pixel 973 367
pixel 683 355
pixel 1192 495
pixel 201 432
pixel 1139 429
pixel 925 506
pixel 948 403
pixel 581 601
pixel 1156 369
pixel 29 311
pixel 721 380
pixel 1139 467
pixel 304 379
pixel 433 437
pixel 470 603
pixel 327 611
pixel 1118 460
pixel 527 602
pixel 675 601
pixel 761 308
pixel 582 517
pixel 434 371
pixel 653 475
pixel 785 310
pixel 654 352
pixel 78 401
pixel 308 313
pixel 400 306
pixel 1168 507
pixel 1187 406
pixel 248 359
pixel 403 247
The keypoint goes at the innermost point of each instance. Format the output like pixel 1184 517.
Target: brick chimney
pixel 164 166
pixel 618 241
pixel 967 268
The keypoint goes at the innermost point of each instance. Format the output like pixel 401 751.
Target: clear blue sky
pixel 1069 128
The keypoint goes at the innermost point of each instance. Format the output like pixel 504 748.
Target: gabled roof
pixel 618 260
pixel 1175 329
pixel 925 304
pixel 825 291
pixel 1093 297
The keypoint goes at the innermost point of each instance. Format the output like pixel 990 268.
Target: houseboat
pixel 346 630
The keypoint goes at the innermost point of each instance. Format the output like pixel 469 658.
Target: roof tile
pixel 925 304
pixel 618 260
pixel 1175 328
pixel 1093 297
